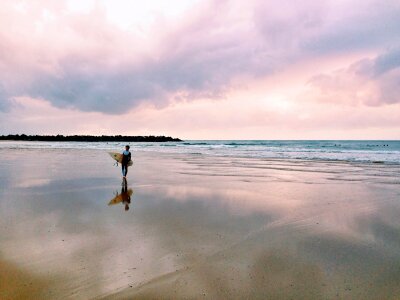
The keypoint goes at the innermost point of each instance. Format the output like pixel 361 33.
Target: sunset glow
pixel 201 69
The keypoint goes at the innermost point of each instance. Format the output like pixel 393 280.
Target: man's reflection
pixel 124 197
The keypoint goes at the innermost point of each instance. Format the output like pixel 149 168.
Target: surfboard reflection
pixel 124 197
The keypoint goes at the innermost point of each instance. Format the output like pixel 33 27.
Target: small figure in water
pixel 126 197
pixel 126 158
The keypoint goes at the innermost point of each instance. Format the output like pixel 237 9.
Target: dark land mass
pixel 88 138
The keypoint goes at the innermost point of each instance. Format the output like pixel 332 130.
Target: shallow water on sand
pixel 196 226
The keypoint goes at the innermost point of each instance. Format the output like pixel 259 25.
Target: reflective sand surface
pixel 196 227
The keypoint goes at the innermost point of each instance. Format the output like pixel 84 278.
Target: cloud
pixel 4 102
pixel 356 25
pixel 368 81
pixel 387 61
pixel 101 68
pixel 84 61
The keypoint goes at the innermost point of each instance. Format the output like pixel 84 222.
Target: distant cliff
pixel 88 138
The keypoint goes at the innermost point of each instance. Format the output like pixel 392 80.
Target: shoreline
pixel 197 226
pixel 88 138
pixel 211 155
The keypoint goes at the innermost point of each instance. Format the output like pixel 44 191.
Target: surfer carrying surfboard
pixel 126 158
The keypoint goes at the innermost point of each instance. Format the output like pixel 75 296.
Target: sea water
pixel 208 225
pixel 375 151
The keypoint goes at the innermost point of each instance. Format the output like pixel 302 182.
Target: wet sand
pixel 197 227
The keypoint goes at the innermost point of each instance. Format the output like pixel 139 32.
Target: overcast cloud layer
pixel 85 62
pixel 217 69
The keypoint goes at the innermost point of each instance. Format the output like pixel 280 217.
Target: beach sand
pixel 198 227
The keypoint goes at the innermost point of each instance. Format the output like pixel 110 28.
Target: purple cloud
pixel 91 65
pixel 380 74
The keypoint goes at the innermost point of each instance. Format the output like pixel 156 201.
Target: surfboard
pixel 118 157
pixel 121 197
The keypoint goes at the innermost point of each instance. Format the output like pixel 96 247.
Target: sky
pixel 201 69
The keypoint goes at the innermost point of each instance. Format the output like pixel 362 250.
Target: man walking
pixel 126 158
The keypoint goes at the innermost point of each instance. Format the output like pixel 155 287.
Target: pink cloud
pixel 201 68
pixel 368 81
pixel 208 119
pixel 85 62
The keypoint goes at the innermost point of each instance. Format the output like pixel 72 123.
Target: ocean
pixel 201 219
pixel 369 151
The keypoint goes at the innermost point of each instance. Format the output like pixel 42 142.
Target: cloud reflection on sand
pixel 204 235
